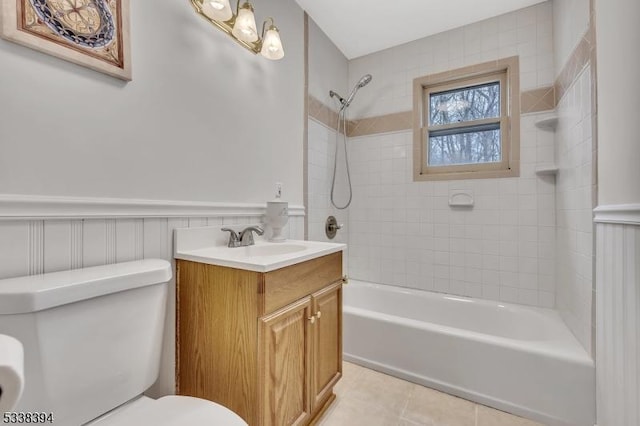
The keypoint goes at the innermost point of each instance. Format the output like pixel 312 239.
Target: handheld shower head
pixel 366 79
pixel 342 130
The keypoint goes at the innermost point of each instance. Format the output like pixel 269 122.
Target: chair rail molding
pixel 32 207
pixel 628 214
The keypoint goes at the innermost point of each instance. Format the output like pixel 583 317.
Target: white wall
pixel 570 22
pixel 203 119
pixel 618 213
pixel 403 232
pixel 328 67
pixel 618 38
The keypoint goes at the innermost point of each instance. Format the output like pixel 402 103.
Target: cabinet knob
pixel 312 318
pixel 345 279
pixel 318 314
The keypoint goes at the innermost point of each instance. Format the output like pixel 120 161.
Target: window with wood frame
pixel 467 122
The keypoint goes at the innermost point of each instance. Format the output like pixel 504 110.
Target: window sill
pixel 483 174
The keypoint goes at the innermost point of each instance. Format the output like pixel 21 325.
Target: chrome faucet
pixel 245 238
pixel 234 241
pixel 246 235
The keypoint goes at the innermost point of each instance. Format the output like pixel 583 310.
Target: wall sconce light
pixel 241 26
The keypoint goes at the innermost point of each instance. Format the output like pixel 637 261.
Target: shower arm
pixel 336 95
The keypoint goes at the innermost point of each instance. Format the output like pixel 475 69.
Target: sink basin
pixel 208 245
pixel 271 250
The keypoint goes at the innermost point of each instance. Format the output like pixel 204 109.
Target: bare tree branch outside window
pixel 465 144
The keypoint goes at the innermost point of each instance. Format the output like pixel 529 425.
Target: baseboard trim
pixel 30 207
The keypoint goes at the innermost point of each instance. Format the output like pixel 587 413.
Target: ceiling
pixel 360 27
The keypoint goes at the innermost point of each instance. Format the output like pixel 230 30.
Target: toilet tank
pixel 92 337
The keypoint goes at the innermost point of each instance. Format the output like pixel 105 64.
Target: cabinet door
pixel 327 342
pixel 285 365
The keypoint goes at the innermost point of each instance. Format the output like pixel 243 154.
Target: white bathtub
pixel 515 358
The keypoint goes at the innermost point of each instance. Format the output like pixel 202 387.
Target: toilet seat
pixel 170 411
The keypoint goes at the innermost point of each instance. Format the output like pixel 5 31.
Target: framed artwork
pixel 91 33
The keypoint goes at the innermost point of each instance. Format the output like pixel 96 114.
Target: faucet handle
pixel 246 235
pixel 331 227
pixel 234 241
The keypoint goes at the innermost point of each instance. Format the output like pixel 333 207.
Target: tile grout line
pixel 406 404
pixel 476 414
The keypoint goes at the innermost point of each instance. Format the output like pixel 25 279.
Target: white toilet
pixel 92 340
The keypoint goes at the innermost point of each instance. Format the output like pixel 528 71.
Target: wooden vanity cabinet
pixel 284 359
pixel 266 345
pixel 327 343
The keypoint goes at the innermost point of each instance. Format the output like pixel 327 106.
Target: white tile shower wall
pixel 321 143
pixel 34 246
pixel 526 32
pixel 574 182
pixel 404 233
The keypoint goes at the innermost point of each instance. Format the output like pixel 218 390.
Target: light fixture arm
pixel 246 34
pixel 264 24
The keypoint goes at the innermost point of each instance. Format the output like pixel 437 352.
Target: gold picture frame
pixel 90 33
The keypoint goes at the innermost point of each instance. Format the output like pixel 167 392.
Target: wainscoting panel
pixel 36 247
pixel 95 243
pixel 156 237
pixel 54 236
pixel 618 321
pixel 57 245
pixel 14 248
pixel 129 239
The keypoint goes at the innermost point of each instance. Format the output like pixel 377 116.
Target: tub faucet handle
pixel 331 227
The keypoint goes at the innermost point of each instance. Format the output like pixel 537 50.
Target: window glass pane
pixel 465 146
pixel 466 104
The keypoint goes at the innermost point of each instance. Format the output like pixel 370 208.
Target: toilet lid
pixel 171 411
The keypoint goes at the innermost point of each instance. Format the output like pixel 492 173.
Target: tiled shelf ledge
pixel 548 123
pixel 546 170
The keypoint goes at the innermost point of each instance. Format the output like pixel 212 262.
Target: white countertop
pixel 191 244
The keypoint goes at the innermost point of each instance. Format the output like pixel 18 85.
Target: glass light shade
pixel 272 45
pixel 245 27
pixel 218 10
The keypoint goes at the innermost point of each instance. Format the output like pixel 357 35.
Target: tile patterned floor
pixel 369 398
